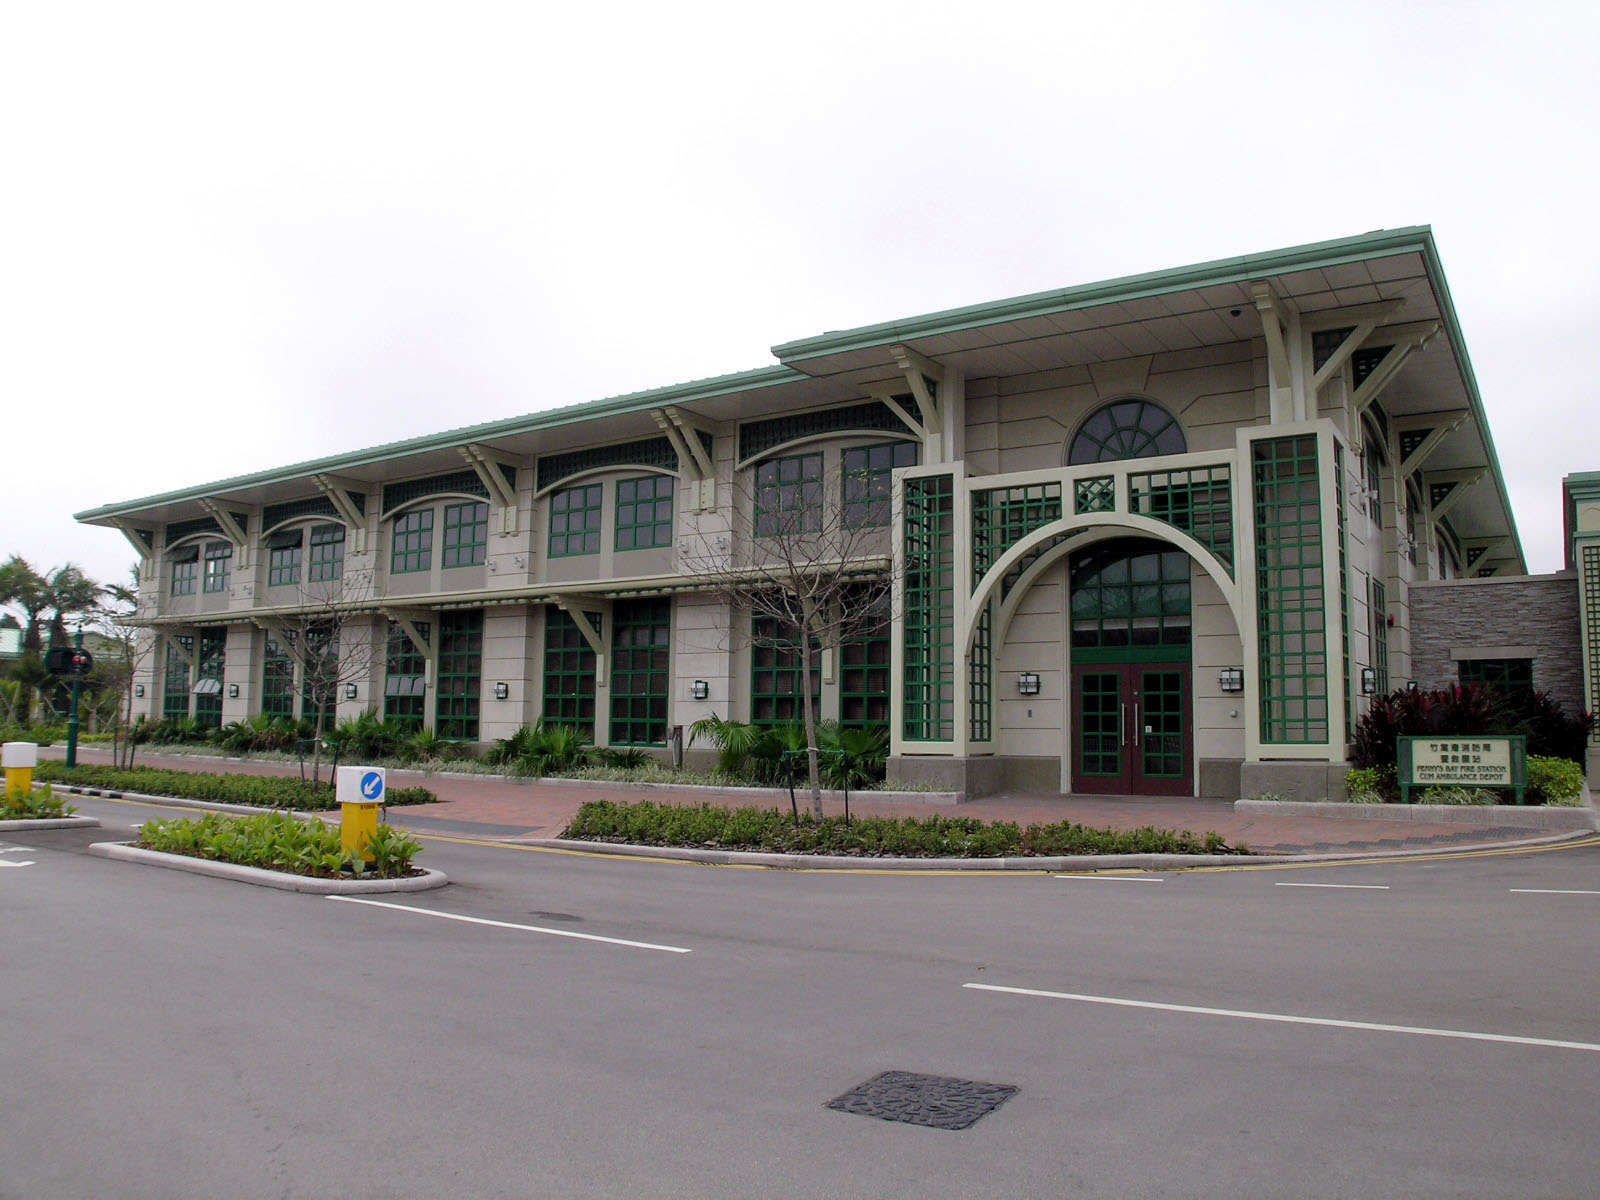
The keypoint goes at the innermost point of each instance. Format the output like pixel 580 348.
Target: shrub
pixel 1378 783
pixel 39 805
pixel 268 791
pixel 1457 795
pixel 39 735
pixel 650 824
pixel 278 842
pixel 1554 780
pixel 1464 711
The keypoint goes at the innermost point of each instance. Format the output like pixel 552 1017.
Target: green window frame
pixel 644 512
pixel 1290 591
pixel 208 678
pixel 186 572
pixel 1378 616
pixel 868 473
pixel 460 684
pixel 283 558
pixel 466 534
pixel 641 651
pixel 788 498
pixel 277 680
pixel 1131 602
pixel 327 554
pixel 575 520
pixel 175 685
pixel 929 624
pixel 405 673
pixel 1511 677
pixel 864 668
pixel 775 673
pixel 319 678
pixel 1127 429
pixel 569 669
pixel 411 542
pixel 219 567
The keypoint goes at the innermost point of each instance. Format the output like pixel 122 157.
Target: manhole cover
pixel 933 1100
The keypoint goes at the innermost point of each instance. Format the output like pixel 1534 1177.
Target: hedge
pixel 705 827
pixel 266 791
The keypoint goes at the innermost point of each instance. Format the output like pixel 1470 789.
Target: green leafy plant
pixel 1371 785
pixel 542 749
pixel 1456 795
pixel 42 804
pixel 1557 781
pixel 651 824
pixel 268 791
pixel 278 842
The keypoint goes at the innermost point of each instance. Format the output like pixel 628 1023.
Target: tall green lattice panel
pixel 1291 621
pixel 929 625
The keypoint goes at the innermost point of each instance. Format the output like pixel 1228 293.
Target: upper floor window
pixel 868 475
pixel 283 557
pixel 219 562
pixel 644 512
pixel 1127 429
pixel 185 571
pixel 466 534
pixel 327 553
pixel 1511 677
pixel 411 548
pixel 575 520
pixel 789 496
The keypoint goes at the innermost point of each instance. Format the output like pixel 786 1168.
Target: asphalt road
pixel 1226 1033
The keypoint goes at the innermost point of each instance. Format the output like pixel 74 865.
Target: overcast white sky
pixel 236 236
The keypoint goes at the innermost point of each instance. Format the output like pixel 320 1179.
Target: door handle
pixel 1122 727
pixel 1136 723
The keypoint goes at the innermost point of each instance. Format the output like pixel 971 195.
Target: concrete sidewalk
pixel 508 809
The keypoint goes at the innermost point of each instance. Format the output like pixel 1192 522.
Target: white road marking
pixel 1286 1019
pixel 6 862
pixel 1116 878
pixel 565 933
pixel 17 850
pixel 1555 892
pixel 1358 887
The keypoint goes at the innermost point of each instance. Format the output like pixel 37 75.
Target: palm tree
pixel 21 585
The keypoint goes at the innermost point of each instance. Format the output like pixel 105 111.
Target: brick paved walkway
pixel 487 806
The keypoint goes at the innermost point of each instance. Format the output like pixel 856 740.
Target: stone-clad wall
pixel 1528 616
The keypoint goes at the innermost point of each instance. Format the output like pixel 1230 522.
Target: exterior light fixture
pixel 138 691
pixel 502 691
pixel 233 691
pixel 1369 681
pixel 1028 684
pixel 1231 679
pixel 1411 685
pixel 700 690
pixel 349 691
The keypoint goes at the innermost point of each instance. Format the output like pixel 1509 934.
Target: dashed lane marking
pixel 562 933
pixel 1358 887
pixel 6 862
pixel 1116 878
pixel 1554 892
pixel 1289 1019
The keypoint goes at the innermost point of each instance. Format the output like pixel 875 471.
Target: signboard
pixel 1475 760
pixel 360 785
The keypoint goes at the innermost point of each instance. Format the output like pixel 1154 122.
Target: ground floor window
pixel 319 685
pixel 460 674
pixel 208 678
pixel 775 673
pixel 175 693
pixel 277 680
pixel 405 677
pixel 568 671
pixel 864 671
pixel 1511 677
pixel 641 639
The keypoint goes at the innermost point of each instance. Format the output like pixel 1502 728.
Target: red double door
pixel 1132 729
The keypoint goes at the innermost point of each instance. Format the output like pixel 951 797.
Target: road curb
pixel 125 852
pixel 23 823
pixel 1083 862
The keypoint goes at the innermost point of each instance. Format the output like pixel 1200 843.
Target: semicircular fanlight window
pixel 1127 429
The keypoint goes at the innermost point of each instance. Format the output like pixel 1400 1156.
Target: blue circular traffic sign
pixel 372 786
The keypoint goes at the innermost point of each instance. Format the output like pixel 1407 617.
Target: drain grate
pixel 936 1101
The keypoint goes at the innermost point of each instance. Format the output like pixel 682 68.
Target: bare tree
pixel 327 634
pixel 118 622
pixel 805 564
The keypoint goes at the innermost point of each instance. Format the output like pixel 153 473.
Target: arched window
pixel 1127 429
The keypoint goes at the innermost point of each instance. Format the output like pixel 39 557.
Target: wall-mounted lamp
pixel 502 691
pixel 349 691
pixel 1411 685
pixel 138 691
pixel 233 691
pixel 1369 681
pixel 1231 679
pixel 1027 684
pixel 699 690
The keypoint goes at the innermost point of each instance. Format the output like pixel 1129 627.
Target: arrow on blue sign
pixel 372 785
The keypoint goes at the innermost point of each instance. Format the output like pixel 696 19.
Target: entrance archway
pixel 1130 645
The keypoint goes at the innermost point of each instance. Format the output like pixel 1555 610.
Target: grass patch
pixel 278 842
pixel 708 827
pixel 265 791
pixel 42 805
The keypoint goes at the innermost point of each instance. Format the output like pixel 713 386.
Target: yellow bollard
pixel 19 759
pixel 359 791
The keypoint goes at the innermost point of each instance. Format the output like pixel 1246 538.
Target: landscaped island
pixel 265 791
